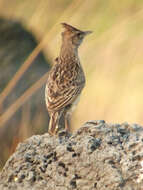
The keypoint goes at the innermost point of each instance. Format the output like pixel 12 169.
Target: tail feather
pixel 53 124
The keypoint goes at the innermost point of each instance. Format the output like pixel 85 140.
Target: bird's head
pixel 73 35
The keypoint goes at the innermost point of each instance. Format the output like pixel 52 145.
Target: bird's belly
pixel 73 105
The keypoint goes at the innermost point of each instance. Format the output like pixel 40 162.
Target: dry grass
pixel 21 100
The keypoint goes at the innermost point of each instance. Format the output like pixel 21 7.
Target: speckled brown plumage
pixel 66 78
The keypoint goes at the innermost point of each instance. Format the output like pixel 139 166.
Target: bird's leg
pixel 57 125
pixel 67 121
pixel 53 124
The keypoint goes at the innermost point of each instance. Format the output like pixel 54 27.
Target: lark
pixel 66 79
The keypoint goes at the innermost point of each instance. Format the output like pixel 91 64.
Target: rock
pixel 98 156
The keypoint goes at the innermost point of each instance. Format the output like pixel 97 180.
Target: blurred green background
pixel 112 57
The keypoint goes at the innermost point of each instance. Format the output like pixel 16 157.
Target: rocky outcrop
pixel 98 156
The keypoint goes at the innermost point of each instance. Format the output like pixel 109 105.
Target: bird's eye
pixel 79 35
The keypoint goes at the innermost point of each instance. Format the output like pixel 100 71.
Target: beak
pixel 87 32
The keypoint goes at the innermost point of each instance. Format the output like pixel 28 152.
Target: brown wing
pixel 63 86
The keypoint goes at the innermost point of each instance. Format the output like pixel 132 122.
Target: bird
pixel 65 80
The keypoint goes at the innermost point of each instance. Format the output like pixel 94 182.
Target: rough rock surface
pixel 98 156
